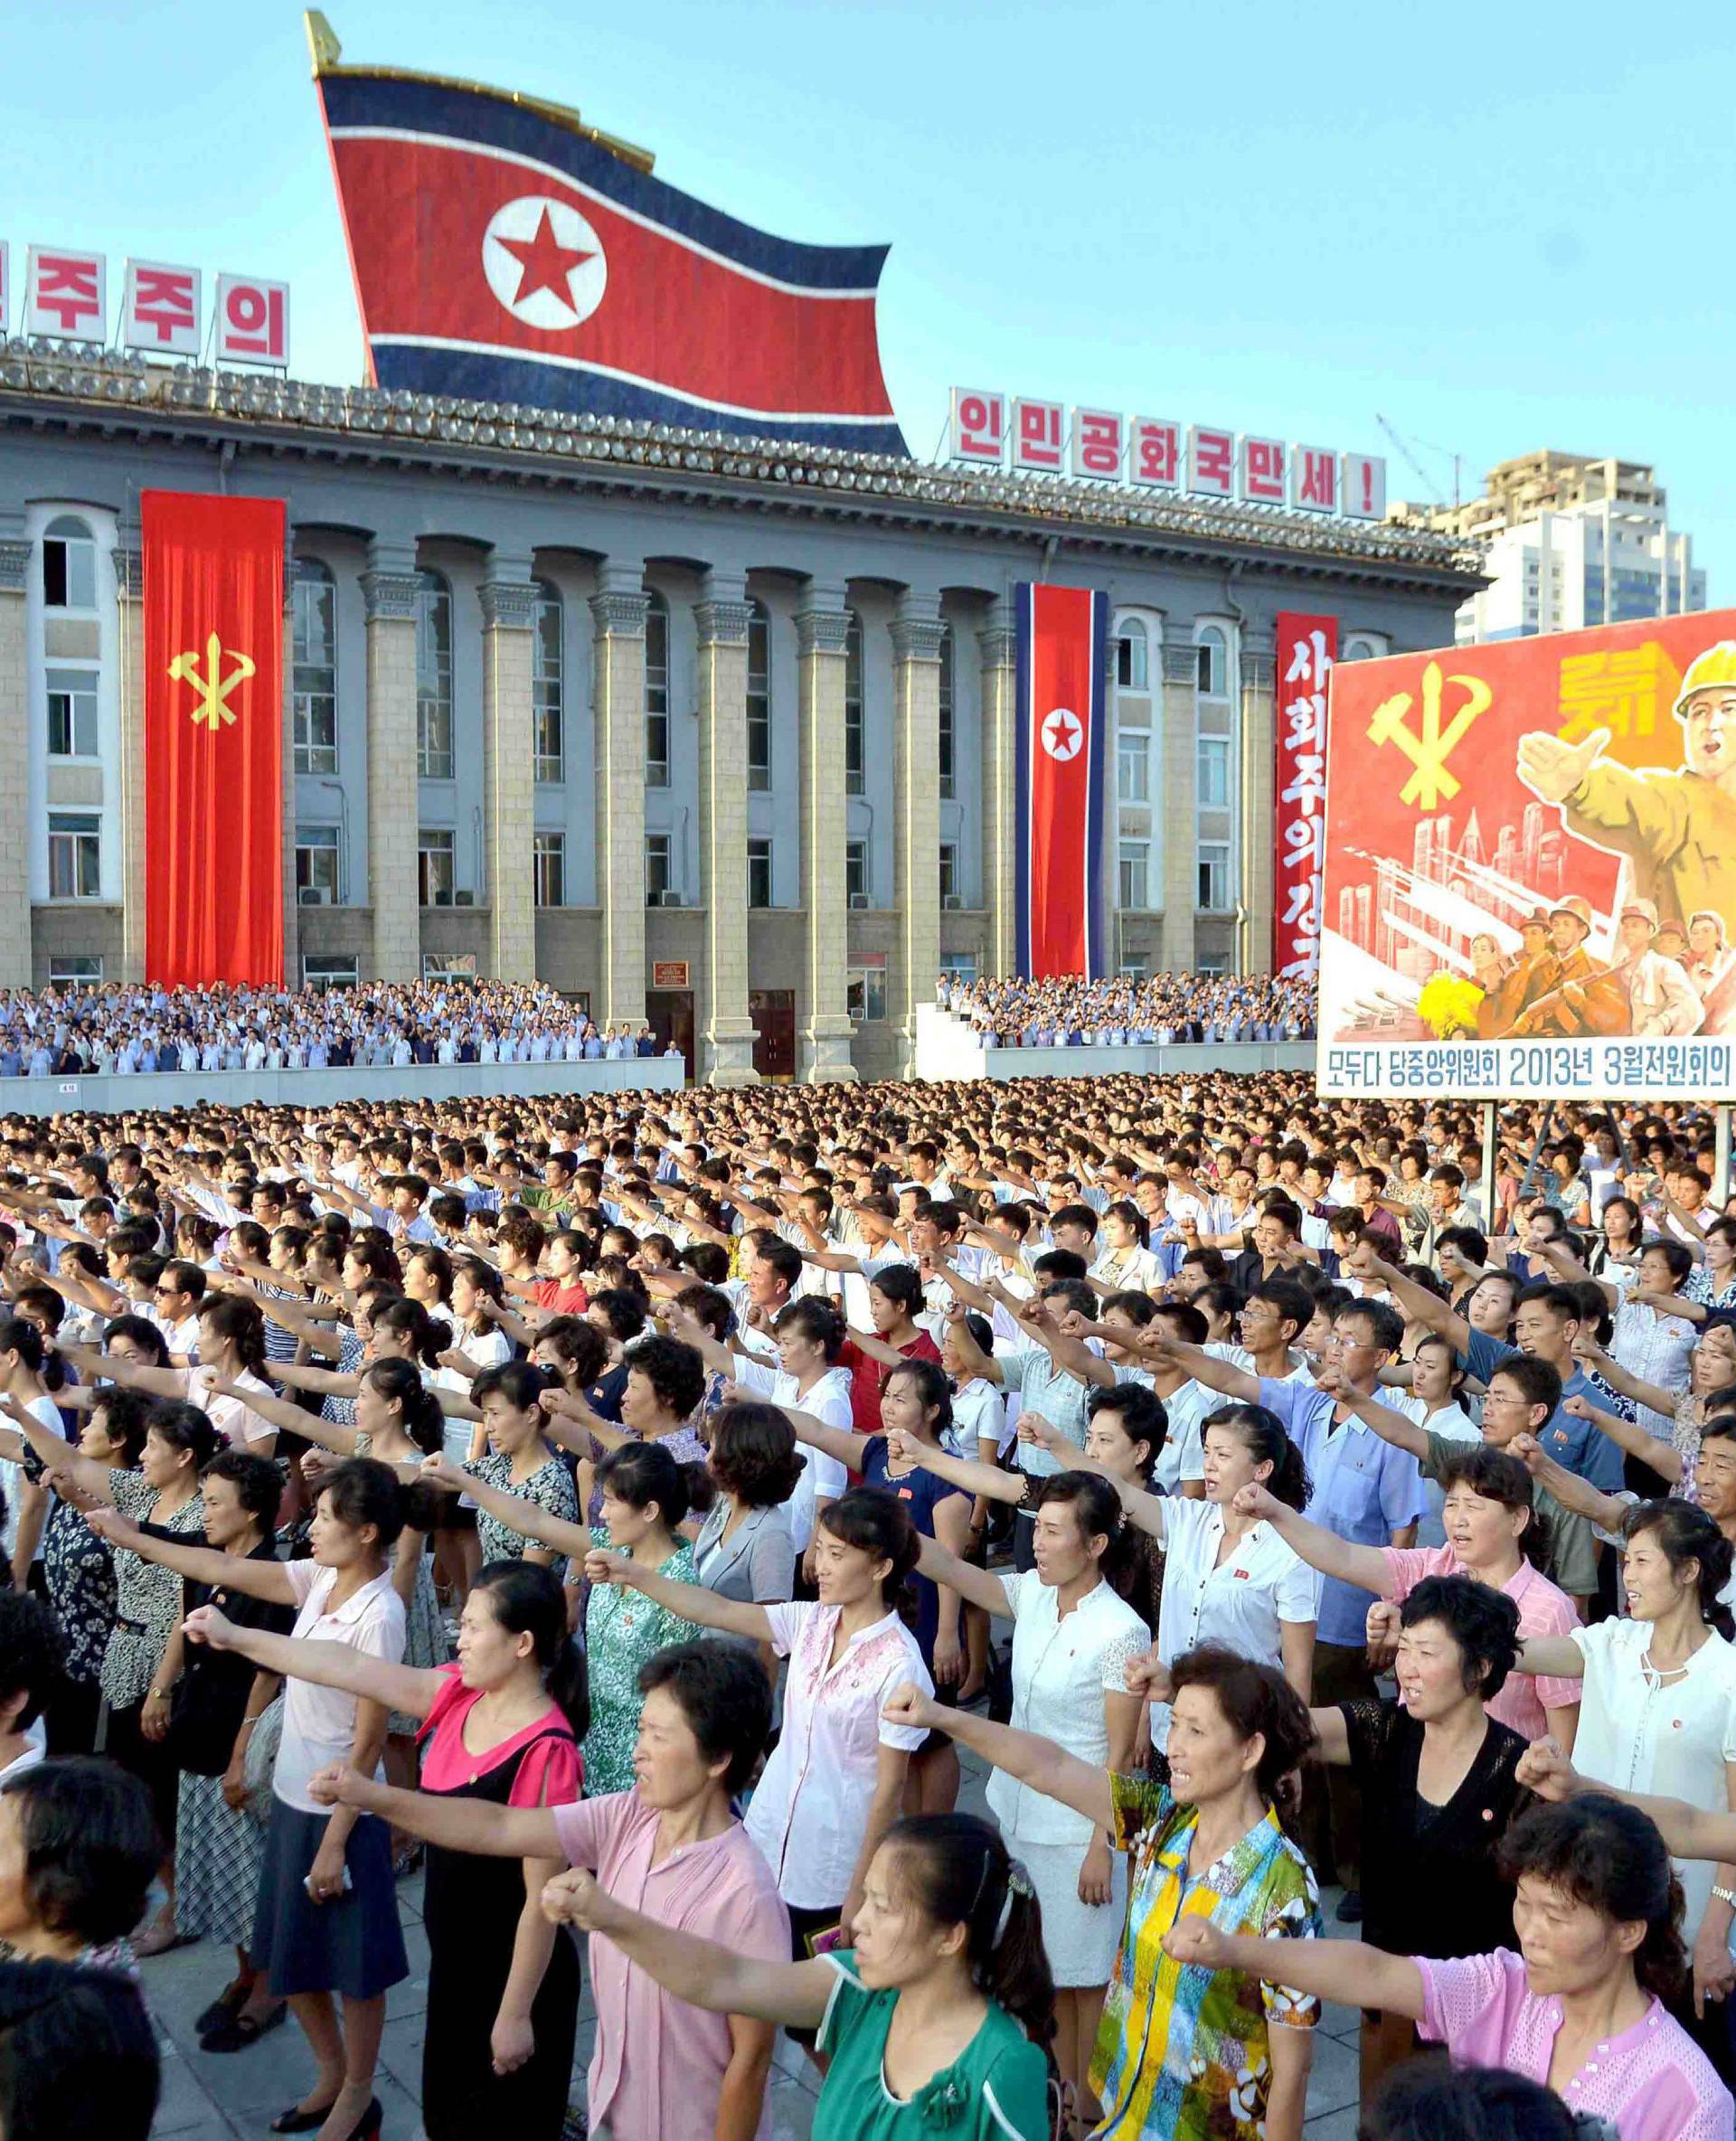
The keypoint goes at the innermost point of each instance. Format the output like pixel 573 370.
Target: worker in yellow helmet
pixel 1677 827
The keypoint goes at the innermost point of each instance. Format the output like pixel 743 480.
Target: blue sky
pixel 1502 228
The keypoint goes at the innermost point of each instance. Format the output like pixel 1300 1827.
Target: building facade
pixel 1571 542
pixel 682 726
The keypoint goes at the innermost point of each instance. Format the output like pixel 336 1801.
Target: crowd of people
pixel 1127 1012
pixel 116 1030
pixel 627 1507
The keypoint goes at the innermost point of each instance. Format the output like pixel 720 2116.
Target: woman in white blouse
pixel 1658 1716
pixel 1073 1639
pixel 1228 1578
pixel 1127 1264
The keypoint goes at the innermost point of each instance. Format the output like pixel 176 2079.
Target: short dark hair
pixel 754 1455
pixel 32 1654
pixel 258 1485
pixel 1255 1698
pixel 1538 1380
pixel 78 2054
pixel 1383 1322
pixel 722 1691
pixel 1610 1857
pixel 1482 1621
pixel 674 1371
pixel 91 1847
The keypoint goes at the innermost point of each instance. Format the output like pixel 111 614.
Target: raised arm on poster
pixel 1531 874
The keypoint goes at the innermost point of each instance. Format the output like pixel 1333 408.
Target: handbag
pixel 261 1761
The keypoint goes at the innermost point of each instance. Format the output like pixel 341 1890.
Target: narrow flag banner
pixel 504 251
pixel 1308 646
pixel 213 738
pixel 1062 639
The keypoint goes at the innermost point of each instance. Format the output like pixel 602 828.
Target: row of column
pixel 618 612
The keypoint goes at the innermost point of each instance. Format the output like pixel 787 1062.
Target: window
pixel 1133 765
pixel 945 738
pixel 313 610
pixel 1362 648
pixel 1214 875
pixel 67 969
pixel 855 753
pixel 322 970
pixel 433 679
pixel 72 713
pixel 316 865
pixel 758 699
pixel 69 565
pixel 435 867
pixel 864 993
pixel 759 873
pixel 1213 773
pixel 657 868
pixel 656 693
pixel 1133 871
pixel 962 963
pixel 949 896
pixel 74 856
pixel 856 873
pixel 1212 653
pixel 1210 963
pixel 550 861
pixel 548 684
pixel 1132 657
pixel 449 965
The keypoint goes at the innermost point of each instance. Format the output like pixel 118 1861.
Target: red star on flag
pixel 545 263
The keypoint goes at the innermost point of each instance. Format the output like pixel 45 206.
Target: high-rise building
pixel 1572 542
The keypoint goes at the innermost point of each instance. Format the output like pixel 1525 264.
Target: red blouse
pixel 551 1775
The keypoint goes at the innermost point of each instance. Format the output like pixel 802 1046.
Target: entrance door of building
pixel 773 1013
pixel 671 1014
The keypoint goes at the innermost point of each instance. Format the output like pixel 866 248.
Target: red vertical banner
pixel 1062 640
pixel 1307 647
pixel 213 738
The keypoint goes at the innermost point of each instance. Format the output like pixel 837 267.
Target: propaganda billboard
pixel 1530 882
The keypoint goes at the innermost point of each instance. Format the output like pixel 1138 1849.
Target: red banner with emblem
pixel 1308 646
pixel 213 738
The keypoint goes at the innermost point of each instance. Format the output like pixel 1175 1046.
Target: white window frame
pixel 73 539
pixel 1212 662
pixel 1217 751
pixel 1214 855
pixel 946 731
pixel 949 888
pixel 858 879
pixel 1132 656
pixel 855 720
pixel 324 970
pixel 1133 875
pixel 64 969
pixel 436 845
pixel 657 651
pixel 1133 765
pixel 865 994
pixel 80 687
pixel 758 699
pixel 435 755
pixel 75 841
pixel 760 867
pixel 313 655
pixel 549 867
pixel 548 684
pixel 659 867
pixel 309 875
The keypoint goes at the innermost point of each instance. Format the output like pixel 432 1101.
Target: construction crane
pixel 1404 446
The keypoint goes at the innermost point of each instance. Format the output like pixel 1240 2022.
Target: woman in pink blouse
pixel 1580 2006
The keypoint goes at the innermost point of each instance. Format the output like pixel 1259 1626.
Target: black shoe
pixel 298 2121
pixel 235 2033
pixel 367 2127
pixel 1350 1907
pixel 224 2008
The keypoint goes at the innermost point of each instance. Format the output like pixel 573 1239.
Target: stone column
pixel 915 813
pixel 291 911
pixel 129 641
pixel 823 1043
pixel 394 811
pixel 1256 806
pixel 16 556
pixel 726 1030
pixel 617 612
pixel 508 767
pixel 1180 819
pixel 996 642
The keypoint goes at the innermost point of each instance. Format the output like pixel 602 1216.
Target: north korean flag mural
pixel 1062 638
pixel 504 251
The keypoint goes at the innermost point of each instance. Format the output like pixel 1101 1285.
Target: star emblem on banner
pixel 1063 734
pixel 544 262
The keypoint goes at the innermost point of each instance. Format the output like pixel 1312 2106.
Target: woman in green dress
pixel 935 2024
pixel 646 1496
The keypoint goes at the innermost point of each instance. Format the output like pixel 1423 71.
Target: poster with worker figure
pixel 1530 882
